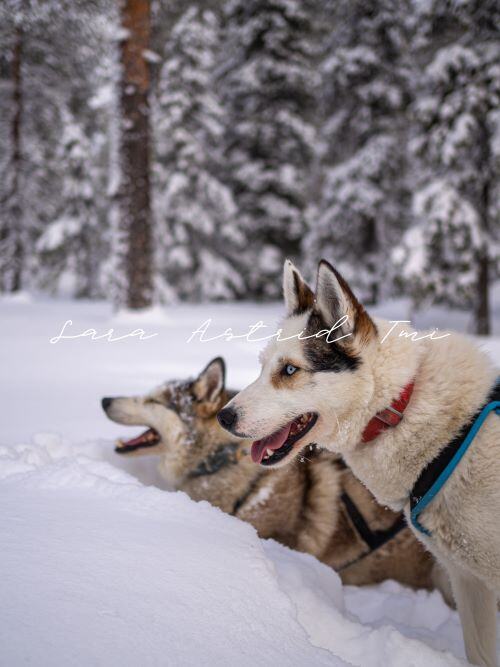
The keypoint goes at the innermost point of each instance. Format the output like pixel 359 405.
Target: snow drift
pixel 99 569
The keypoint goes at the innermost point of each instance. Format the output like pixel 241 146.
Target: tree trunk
pixel 16 231
pixel 370 247
pixel 482 303
pixel 482 310
pixel 135 153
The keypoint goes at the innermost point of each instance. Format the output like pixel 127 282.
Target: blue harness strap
pixel 436 474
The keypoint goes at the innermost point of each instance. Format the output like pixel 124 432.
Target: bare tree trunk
pixel 135 153
pixel 16 164
pixel 482 303
pixel 370 246
pixel 482 310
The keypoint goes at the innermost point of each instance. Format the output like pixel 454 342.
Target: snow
pixel 57 232
pixel 102 565
pixel 103 570
pixel 450 60
pixel 151 56
pixel 138 594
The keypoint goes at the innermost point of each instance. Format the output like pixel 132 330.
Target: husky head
pixel 313 374
pixel 181 420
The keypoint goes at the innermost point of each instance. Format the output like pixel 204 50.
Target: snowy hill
pixel 99 567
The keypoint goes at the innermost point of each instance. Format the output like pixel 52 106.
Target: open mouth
pixel 149 438
pixel 275 447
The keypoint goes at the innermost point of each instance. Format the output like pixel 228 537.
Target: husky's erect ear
pixel 298 295
pixel 210 382
pixel 336 303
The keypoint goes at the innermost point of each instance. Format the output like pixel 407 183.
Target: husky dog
pixel 341 395
pixel 316 506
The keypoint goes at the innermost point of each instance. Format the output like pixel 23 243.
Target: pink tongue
pixel 137 440
pixel 273 441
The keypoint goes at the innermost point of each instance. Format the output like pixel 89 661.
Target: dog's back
pixel 302 507
pixel 401 557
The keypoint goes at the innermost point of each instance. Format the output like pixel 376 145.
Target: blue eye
pixel 290 369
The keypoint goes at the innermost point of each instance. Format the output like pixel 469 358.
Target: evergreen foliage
pixel 366 132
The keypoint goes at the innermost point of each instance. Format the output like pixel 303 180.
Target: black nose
pixel 106 402
pixel 227 418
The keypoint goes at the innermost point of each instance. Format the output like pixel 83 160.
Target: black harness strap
pixel 374 539
pixel 224 456
pixel 251 488
pixel 433 470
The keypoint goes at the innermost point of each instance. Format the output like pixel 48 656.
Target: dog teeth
pixel 269 453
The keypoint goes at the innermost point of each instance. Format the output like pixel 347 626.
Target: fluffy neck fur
pixel 452 379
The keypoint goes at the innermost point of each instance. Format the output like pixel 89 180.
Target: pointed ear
pixel 211 381
pixel 297 293
pixel 335 300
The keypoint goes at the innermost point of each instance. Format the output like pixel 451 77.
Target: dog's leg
pixel 478 610
pixel 441 581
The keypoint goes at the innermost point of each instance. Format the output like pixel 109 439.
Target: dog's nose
pixel 106 402
pixel 227 417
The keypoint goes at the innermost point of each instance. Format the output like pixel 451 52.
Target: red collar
pixel 391 416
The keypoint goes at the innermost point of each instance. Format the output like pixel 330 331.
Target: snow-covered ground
pixel 98 566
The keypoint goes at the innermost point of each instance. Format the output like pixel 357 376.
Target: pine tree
pixel 269 85
pixel 70 247
pixel 196 238
pixel 54 82
pixel 360 208
pixel 456 207
pixel 12 242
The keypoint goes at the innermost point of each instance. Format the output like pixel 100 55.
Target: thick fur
pixel 298 505
pixel 365 371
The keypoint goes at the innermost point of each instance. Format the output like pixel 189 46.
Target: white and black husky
pixel 392 403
